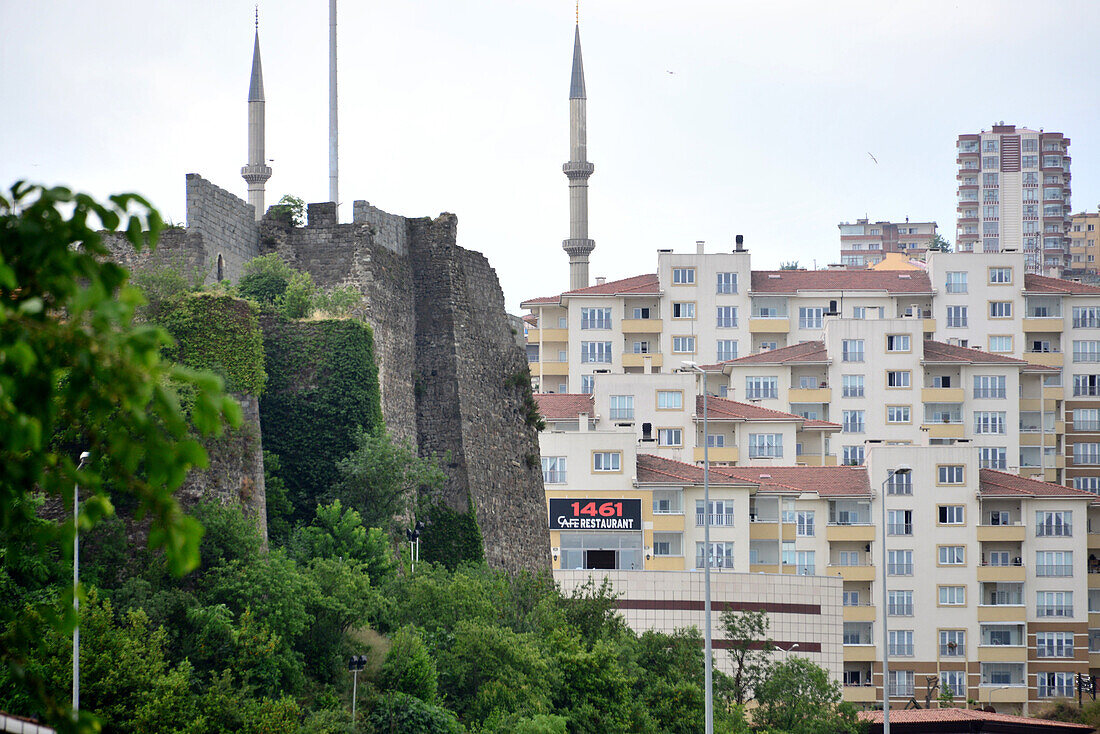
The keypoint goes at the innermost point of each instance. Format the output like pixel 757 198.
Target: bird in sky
pixel 872 157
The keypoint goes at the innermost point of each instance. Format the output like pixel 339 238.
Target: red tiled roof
pixel 791 281
pixel 948 715
pixel 543 301
pixel 1042 284
pixel 636 285
pixel 723 409
pixel 804 352
pixel 811 423
pixel 657 469
pixel 563 406
pixel 530 318
pixel 998 482
pixel 935 351
pixel 827 481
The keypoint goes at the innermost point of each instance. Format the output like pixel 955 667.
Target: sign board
pixel 595 514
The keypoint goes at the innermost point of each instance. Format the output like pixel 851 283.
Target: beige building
pixel 864 243
pixel 1083 247
pixel 1014 195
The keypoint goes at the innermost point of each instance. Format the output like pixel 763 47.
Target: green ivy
pixel 322 389
pixel 451 538
pixel 220 333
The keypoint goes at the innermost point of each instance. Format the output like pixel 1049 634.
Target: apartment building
pixel 1014 195
pixel 865 243
pixel 1083 250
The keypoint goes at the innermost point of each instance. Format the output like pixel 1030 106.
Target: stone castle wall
pixel 227 225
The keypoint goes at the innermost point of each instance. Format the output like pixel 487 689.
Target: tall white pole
pixel 333 168
pixel 708 682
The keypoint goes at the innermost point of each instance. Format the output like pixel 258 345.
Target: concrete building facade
pixel 864 243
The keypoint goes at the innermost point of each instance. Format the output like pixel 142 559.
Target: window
pixel 989 386
pixel 1086 453
pixel 899 522
pixel 1054 603
pixel 956 317
pixel 759 388
pixel 1089 484
pixel 941 381
pixel 721 555
pixel 683 276
pixel 1000 309
pixel 949 474
pixel 1001 343
pixel 990 161
pixel 989 146
pixel 851 598
pixel 1054 644
pixel 595 318
pixel 596 352
pixel 668 544
pixel 642 347
pixel 641 312
pixel 667 502
pixel 987 422
pixel 952 555
pixel 992 457
pixel 727 283
pixel 769 346
pixel 952 596
pixel 897 414
pixel 765 445
pixel 1086 317
pixel 1086 351
pixel 606 461
pixel 1030 161
pixel 952 514
pixel 721 513
pixel 670 400
pixel 805 563
pixel 901 643
pixel 1086 419
pixel 856 633
pixel 553 470
pixel 864 312
pixel 852 350
pixel 1029 145
pixel 901 683
pixel 1054 524
pixel 587 384
pixel 1054 563
pixel 952 643
pixel 897 342
pixel 622 407
pixel 899 562
pixel 899 603
pixel 1086 385
pixel 805 523
pixel 1056 685
pixel 853 421
pixel 683 310
pixel 727 317
pixel 853 455
pixel 810 317
pixel 954 682
pixel 999 276
pixel 683 344
pixel 852 386
pixel 726 349
pixel 900 483
pixel 670 437
pixel 898 378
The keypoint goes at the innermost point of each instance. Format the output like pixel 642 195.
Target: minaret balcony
pixel 578 169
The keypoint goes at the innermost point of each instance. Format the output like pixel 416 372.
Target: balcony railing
pixel 1054 569
pixel 553 477
pixel 899 569
pixel 716 519
pixel 899 528
pixel 900 610
pixel 1046 610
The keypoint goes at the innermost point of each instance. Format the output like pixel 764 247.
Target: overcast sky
pixel 763 128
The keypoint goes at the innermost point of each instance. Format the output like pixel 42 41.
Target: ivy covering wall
pixel 220 333
pixel 322 388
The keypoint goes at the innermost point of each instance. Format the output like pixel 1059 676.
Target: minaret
pixel 256 173
pixel 578 169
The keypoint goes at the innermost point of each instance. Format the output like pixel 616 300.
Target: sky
pixel 706 118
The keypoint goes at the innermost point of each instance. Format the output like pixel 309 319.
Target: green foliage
pixel 790 265
pixel 322 391
pixel 340 302
pixel 540 724
pixel 380 477
pixel 163 283
pixel 451 538
pixel 338 532
pixel 409 668
pixel 219 333
pixel 297 299
pixel 939 244
pixel 798 696
pixel 1066 710
pixel 746 631
pixel 401 712
pixel 522 382
pixel 279 508
pixel 289 209
pixel 76 373
pixel 264 279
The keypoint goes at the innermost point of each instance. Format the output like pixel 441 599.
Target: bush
pixel 409 668
pixel 404 713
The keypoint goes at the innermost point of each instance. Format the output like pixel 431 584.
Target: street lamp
pixel 355 664
pixel 688 366
pixel 989 700
pixel 902 470
pixel 76 587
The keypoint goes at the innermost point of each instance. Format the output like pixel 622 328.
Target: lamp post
pixel 76 588
pixel 902 470
pixel 355 664
pixel 707 644
pixel 989 700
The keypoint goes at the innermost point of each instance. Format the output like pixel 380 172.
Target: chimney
pixel 739 241
pixel 600 280
pixel 699 245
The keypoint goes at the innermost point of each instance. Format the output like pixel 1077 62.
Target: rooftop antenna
pixel 333 167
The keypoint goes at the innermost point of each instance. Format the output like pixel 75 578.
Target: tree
pixel 791 265
pixel 290 209
pixel 409 668
pixel 750 651
pixel 798 696
pixel 270 281
pixel 77 374
pixel 939 244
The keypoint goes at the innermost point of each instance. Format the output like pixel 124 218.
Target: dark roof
pixel 576 81
pixel 791 281
pixel 804 352
pixel 965 720
pixel 563 406
pixel 256 83
pixel 1042 284
pixel 993 482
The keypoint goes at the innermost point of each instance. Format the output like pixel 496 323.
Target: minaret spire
pixel 257 172
pixel 577 170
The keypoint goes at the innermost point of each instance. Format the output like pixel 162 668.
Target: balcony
pixel 534 336
pixel 860 653
pixel 1034 439
pixel 860 613
pixel 1006 533
pixel 638 360
pixel 810 395
pixel 1002 613
pixel 718 453
pixel 858 533
pixel 759 325
pixel 761 530
pixel 929 326
pixel 1001 574
pixel 1047 359
pixel 1002 653
pixel 816 460
pixel 1001 694
pixel 944 430
pixel 1094 578
pixel 717 520
pixel 551 368
pixel 851 573
pixel 642 326
pixel 942 395
pixel 1043 324
pixel 858 694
